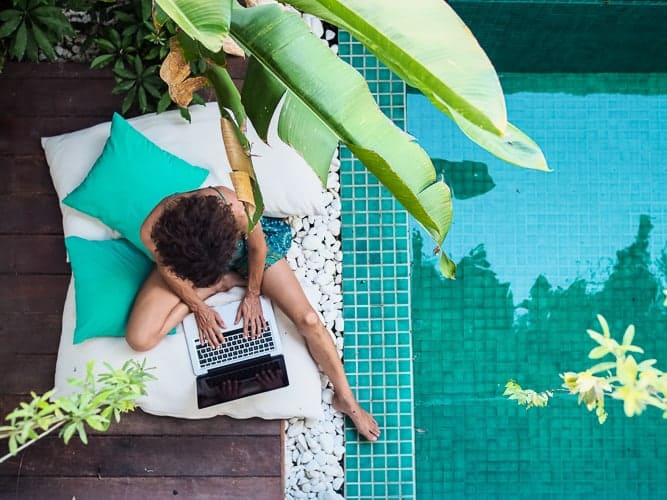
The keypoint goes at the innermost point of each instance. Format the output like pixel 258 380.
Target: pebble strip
pixel 314 448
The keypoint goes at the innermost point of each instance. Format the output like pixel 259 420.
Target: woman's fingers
pixel 218 319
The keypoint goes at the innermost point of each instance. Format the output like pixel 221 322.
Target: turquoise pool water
pixel 540 254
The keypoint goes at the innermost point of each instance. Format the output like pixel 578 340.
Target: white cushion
pixel 289 186
pixel 174 393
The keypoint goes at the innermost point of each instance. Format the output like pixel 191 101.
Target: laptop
pixel 239 367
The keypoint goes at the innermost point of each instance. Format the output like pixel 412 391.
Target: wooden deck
pixel 144 456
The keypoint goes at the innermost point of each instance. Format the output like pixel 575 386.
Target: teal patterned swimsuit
pixel 278 237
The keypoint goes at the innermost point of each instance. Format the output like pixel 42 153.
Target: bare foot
pixel 363 421
pixel 229 281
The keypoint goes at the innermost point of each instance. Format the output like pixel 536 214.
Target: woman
pixel 200 245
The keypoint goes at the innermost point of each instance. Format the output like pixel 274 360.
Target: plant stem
pixel 28 443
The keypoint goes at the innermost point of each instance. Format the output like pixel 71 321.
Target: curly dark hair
pixel 196 237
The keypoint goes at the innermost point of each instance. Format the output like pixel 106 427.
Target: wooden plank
pixel 28 333
pixel 30 214
pixel 201 488
pixel 33 293
pixel 21 135
pixel 65 97
pixel 22 373
pixel 20 72
pixel 33 254
pixel 76 71
pixel 138 423
pixel 136 456
pixel 24 174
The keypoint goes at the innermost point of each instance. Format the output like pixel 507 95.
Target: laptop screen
pixel 241 380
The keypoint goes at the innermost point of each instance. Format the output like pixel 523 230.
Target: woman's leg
pixel 282 287
pixel 157 309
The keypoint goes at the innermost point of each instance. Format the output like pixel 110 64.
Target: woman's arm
pixel 250 308
pixel 208 320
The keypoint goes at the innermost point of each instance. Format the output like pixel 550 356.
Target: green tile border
pixel 376 307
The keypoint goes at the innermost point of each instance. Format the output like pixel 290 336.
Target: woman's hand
pixel 209 323
pixel 250 310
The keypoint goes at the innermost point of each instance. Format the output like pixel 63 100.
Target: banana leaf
pixel 326 98
pixel 205 21
pixel 426 44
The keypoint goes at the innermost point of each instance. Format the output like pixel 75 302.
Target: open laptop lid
pixel 241 380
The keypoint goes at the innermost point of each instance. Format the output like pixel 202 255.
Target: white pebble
pixel 327 443
pixel 311 243
pixel 306 457
pixel 296 428
pixel 327 396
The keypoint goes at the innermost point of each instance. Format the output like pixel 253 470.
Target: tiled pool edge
pixel 376 306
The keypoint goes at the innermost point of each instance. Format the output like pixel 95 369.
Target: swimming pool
pixel 539 255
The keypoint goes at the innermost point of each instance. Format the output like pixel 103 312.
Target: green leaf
pixel 43 42
pixel 47 11
pixel 7 14
pixel 205 21
pixel 82 432
pixel 227 93
pixel 146 8
pixel 123 72
pixel 164 103
pixel 513 145
pixel 128 100
pixel 114 38
pixel 308 134
pixel 9 26
pixel 105 44
pixel 13 445
pixel 68 432
pixel 160 17
pixel 102 61
pixel 339 98
pixel 59 26
pixel 138 66
pixel 426 44
pixel 261 92
pixel 31 49
pixel 143 101
pixel 152 89
pixel 97 422
pixel 123 86
pixel 20 41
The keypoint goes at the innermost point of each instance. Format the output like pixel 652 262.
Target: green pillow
pixel 131 176
pixel 107 277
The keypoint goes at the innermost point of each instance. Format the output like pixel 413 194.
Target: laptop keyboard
pixel 234 348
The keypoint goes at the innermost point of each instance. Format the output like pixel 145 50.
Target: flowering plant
pixel 638 385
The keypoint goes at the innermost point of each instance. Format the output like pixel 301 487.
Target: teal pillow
pixel 107 277
pixel 131 176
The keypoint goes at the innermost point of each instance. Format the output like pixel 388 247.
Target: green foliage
pixel 30 28
pixel 96 402
pixel 526 397
pixel 131 45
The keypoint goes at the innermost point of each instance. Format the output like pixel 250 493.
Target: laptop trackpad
pixel 241 380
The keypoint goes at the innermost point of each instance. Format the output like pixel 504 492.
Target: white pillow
pixel 289 186
pixel 174 393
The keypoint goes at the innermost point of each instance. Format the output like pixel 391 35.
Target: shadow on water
pixel 466 179
pixel 469 338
